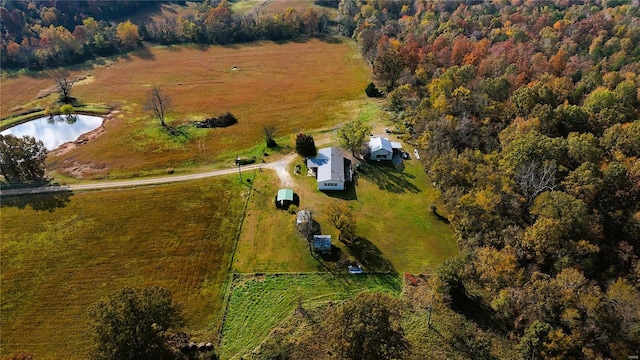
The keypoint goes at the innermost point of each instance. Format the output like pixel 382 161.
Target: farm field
pixel 269 86
pixel 61 253
pixel 257 304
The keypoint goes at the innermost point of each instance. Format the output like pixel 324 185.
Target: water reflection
pixel 55 131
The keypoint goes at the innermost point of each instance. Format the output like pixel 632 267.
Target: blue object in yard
pixel 354 269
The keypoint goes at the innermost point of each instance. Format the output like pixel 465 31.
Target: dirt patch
pixel 90 170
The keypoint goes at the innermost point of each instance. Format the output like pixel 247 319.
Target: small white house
pixel 331 168
pixel 380 148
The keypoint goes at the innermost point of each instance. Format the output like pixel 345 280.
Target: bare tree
pixel 64 85
pixel 157 102
pixel 534 178
pixel 269 133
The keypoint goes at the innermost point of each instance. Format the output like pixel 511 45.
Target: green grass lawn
pixel 269 241
pixel 259 304
pixel 62 252
pixel 393 214
pixel 397 230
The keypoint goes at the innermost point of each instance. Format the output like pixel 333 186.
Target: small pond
pixel 56 131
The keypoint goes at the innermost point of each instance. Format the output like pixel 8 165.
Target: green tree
pixel 305 145
pixel 367 328
pixel 134 323
pixel 352 135
pixel 22 159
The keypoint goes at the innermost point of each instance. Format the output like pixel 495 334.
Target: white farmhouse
pixel 331 168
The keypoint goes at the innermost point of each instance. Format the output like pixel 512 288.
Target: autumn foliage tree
pixel 22 159
pixel 127 34
pixel 134 323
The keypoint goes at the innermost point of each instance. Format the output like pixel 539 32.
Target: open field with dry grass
pixel 271 7
pixel 296 86
pixel 62 252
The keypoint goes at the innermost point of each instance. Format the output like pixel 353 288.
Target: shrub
pixel 224 120
pixel 372 91
pixel 293 209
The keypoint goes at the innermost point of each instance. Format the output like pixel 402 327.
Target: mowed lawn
pixel 391 208
pixel 62 253
pixel 258 304
pixel 296 86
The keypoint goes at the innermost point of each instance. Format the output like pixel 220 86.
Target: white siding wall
pixel 384 155
pixel 330 185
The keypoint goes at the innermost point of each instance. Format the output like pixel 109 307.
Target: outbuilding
pixel 286 198
pixel 380 148
pixel 322 244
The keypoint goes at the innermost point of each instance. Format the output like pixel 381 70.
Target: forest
pixel 530 114
pixel 46 34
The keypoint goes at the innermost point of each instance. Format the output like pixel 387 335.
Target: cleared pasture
pixel 258 304
pixel 296 86
pixel 62 252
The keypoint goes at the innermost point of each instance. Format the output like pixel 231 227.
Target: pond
pixel 56 131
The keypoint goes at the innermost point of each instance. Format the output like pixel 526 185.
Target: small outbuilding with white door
pixel 381 148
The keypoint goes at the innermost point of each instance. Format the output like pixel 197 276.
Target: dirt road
pixel 279 166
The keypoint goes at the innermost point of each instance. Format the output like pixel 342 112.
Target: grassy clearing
pixel 270 7
pixel 269 241
pixel 393 214
pixel 259 304
pixel 270 86
pixel 62 252
pixel 396 228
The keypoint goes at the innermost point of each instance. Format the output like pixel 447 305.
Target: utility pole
pixel 239 171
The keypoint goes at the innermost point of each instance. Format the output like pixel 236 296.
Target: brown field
pixel 270 7
pixel 73 250
pixel 297 86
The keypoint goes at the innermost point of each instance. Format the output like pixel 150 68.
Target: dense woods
pixel 42 34
pixel 529 114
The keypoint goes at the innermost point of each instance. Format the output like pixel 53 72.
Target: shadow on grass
pixel 388 178
pixel 369 255
pixel 330 39
pixel 143 53
pixel 349 193
pixel 39 202
pixel 180 132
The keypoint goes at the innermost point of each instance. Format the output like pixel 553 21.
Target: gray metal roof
pixel 330 164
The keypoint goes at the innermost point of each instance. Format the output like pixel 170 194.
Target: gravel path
pixel 279 166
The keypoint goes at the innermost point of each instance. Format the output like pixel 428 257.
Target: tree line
pixel 529 114
pixel 43 34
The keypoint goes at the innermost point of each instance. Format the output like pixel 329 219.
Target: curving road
pixel 279 166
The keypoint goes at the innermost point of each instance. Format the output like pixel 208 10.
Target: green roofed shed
pixel 285 198
pixel 285 194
